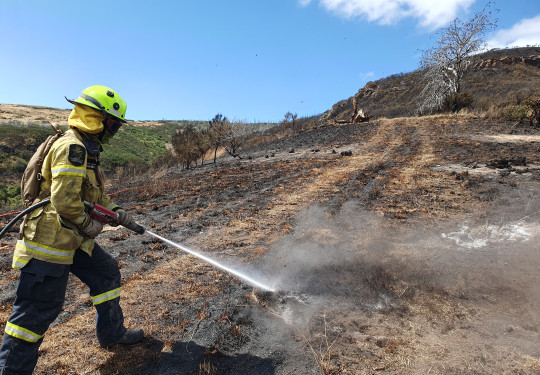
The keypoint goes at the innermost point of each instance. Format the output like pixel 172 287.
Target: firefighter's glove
pixel 127 221
pixel 91 228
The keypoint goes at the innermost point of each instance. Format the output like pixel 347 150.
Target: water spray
pixel 106 216
pixel 238 274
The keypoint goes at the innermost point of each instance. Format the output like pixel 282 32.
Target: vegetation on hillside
pixel 138 147
pixel 17 146
pixel 489 84
pixel 192 144
pixel 135 148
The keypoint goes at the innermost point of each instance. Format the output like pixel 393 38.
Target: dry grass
pixel 206 368
pixel 64 352
pixel 319 345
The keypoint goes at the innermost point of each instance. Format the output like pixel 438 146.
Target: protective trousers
pixel 40 296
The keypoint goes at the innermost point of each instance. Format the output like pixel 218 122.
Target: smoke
pixel 491 234
pixel 356 258
pixel 322 241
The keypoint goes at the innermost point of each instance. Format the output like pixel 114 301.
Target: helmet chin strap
pixel 101 134
pixel 104 136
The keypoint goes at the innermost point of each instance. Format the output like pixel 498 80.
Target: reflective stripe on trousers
pixel 40 296
pixel 22 333
pixel 107 296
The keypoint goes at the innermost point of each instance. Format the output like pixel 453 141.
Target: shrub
pixel 15 165
pixel 13 190
pixel 15 202
pixel 185 145
pixel 10 194
pixel 515 112
pixel 3 193
pixel 456 102
pixel 533 103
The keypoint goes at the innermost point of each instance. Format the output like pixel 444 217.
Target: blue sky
pixel 249 60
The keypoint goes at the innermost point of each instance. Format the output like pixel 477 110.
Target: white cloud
pixel 430 14
pixel 366 76
pixel 524 33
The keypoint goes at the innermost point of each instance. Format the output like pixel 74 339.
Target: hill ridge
pixel 495 79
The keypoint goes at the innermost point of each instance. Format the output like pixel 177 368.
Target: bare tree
pixel 217 131
pixel 290 119
pixel 202 143
pixel 185 146
pixel 446 62
pixel 237 135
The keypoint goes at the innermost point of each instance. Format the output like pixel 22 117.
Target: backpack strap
pixel 31 179
pixel 58 133
pixel 57 129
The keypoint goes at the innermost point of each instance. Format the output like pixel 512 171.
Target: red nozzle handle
pixel 101 214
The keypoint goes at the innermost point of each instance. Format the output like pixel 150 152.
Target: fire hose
pixel 96 212
pixel 106 216
pixel 22 213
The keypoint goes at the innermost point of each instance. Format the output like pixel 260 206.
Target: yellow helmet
pixel 104 99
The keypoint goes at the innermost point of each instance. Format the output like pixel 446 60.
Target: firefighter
pixel 59 238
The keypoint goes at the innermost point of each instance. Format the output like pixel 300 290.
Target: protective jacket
pixel 52 243
pixel 71 172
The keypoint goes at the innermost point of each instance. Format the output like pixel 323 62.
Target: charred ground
pixel 414 254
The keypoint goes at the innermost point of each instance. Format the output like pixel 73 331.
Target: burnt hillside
pixel 401 246
pixel 494 79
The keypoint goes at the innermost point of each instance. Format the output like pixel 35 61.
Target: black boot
pixel 132 336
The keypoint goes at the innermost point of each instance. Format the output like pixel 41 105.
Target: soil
pixel 403 246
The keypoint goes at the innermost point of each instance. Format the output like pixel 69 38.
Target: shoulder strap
pixel 31 179
pixel 57 129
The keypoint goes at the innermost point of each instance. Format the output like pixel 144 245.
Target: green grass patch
pixel 138 146
pixel 133 147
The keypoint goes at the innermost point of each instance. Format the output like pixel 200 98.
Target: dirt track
pixel 413 255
